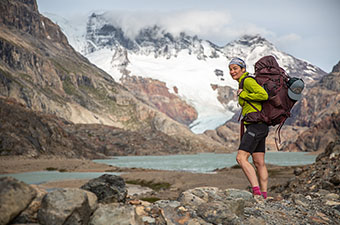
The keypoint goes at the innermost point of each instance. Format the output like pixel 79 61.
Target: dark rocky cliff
pixel 39 69
pixel 319 110
pixel 28 133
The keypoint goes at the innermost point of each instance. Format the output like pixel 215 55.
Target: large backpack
pixel 276 109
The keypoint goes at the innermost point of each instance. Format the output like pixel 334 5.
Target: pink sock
pixel 264 194
pixel 256 190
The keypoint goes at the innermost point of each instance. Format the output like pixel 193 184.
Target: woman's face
pixel 236 71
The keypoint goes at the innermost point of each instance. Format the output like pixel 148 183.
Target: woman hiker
pixel 253 140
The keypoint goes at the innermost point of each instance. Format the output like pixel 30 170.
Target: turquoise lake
pixel 197 163
pixel 205 162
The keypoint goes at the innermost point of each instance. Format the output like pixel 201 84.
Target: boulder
pixel 15 196
pixel 29 215
pixel 216 206
pixel 108 188
pixel 174 213
pixel 113 214
pixel 67 206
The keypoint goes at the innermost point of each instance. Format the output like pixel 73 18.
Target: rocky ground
pixel 105 200
pixel 309 195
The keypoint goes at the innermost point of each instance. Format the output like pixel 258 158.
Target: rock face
pixel 14 197
pixel 227 96
pixel 42 71
pixel 156 94
pixel 318 110
pixel 321 100
pixel 108 188
pixel 25 132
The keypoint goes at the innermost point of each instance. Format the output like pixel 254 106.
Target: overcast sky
pixel 306 29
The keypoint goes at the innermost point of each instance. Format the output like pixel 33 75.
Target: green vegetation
pixel 150 199
pixel 10 77
pixel 156 186
pixel 68 86
pixel 26 77
pixel 51 169
pixel 59 66
pixel 56 169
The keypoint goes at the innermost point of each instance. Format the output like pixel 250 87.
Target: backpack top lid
pixel 295 88
pixel 268 65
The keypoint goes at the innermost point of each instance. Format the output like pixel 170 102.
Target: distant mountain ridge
pixel 150 40
pixel 182 61
pixel 100 33
pixel 251 48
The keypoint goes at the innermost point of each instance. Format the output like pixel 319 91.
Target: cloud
pixel 216 26
pixel 288 42
pixel 289 38
pixel 196 22
pixel 193 22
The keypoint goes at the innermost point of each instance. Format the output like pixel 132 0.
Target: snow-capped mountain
pixel 251 48
pixel 190 64
pixel 149 40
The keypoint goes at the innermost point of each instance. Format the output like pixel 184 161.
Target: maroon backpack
pixel 276 109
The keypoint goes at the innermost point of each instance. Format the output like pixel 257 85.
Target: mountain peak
pixel 252 39
pixel 249 41
pixel 153 39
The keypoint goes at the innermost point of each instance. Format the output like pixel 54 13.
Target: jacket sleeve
pixel 252 91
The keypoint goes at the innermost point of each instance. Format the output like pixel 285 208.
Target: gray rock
pixel 237 193
pixel 93 200
pixel 29 215
pixel 217 213
pixel 114 214
pixel 174 213
pixel 108 188
pixel 68 206
pixel 15 196
pixel 216 206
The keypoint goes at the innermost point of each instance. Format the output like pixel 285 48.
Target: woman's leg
pixel 248 169
pixel 259 162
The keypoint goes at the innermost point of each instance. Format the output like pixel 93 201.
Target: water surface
pixel 205 162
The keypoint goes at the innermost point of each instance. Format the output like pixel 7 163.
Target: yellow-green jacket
pixel 253 93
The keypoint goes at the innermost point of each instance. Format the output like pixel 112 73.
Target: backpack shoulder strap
pixel 241 84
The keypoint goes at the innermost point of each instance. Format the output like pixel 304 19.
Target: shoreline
pixel 175 181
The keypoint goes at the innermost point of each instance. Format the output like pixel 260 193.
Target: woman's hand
pixel 239 91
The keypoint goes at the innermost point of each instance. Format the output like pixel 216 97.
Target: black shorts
pixel 254 139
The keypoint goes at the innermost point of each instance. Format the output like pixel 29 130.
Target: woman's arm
pixel 252 91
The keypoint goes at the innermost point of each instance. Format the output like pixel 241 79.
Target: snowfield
pixel 192 77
